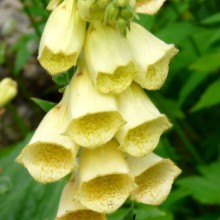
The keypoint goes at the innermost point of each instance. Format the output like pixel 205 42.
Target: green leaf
pixel 130 214
pixel 21 198
pixel 204 188
pixel 45 105
pixel 213 19
pixel 209 98
pixel 147 212
pixel 207 63
pixel 191 84
pixel 63 79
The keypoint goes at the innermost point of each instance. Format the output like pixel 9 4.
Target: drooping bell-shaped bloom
pixel 153 177
pixel 53 4
pixel 108 58
pixel 95 117
pixel 8 90
pixel 151 56
pixel 62 38
pixel 104 180
pixel 73 210
pixel 50 155
pixel 145 123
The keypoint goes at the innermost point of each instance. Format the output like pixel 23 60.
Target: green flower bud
pixel 121 3
pixel 127 12
pixel 111 12
pixel 103 3
pixel 123 25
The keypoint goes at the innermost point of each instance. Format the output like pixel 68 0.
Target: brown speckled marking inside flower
pixel 154 185
pixel 116 82
pixel 95 129
pixel 83 215
pixel 143 139
pixel 107 193
pixel 56 63
pixel 47 162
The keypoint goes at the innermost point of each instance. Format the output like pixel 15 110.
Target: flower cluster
pixel 105 128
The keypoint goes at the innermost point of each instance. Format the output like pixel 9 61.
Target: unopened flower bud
pixel 103 3
pixel 111 12
pixel 153 177
pixel 123 26
pixel 8 90
pixel 121 3
pixel 127 12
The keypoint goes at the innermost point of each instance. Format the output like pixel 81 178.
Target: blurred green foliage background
pixel 190 97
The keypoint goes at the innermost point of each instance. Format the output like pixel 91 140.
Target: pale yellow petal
pixel 154 177
pixel 104 180
pixel 62 38
pixel 149 7
pixel 151 55
pixel 108 58
pixel 73 210
pixel 145 124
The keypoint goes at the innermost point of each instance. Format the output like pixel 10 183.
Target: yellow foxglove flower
pixel 50 155
pixel 8 90
pixel 145 123
pixel 151 55
pixel 62 38
pixel 108 58
pixel 148 6
pixel 153 177
pixel 104 180
pixel 73 210
pixel 94 116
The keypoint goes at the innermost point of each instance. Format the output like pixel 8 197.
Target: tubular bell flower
pixel 8 90
pixel 73 210
pixel 153 176
pixel 95 117
pixel 108 58
pixel 104 180
pixel 50 155
pixel 145 123
pixel 62 38
pixel 151 56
